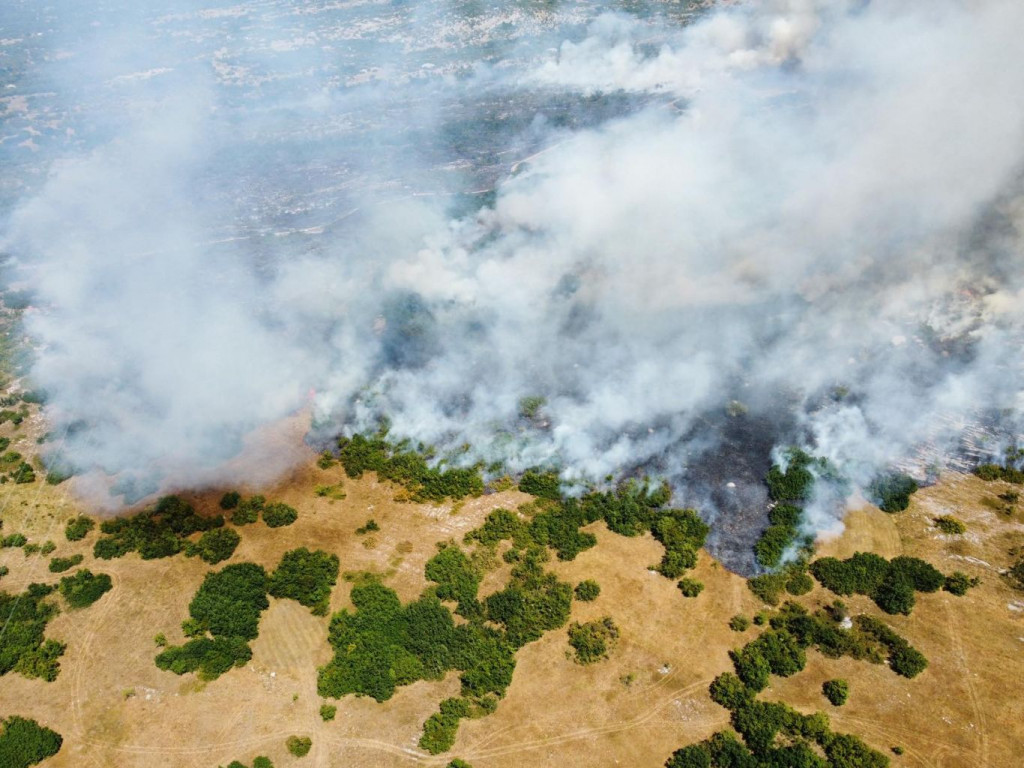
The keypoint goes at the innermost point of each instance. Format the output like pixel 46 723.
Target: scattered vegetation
pixel 23 647
pixel 327 712
pixel 370 526
pixel 24 742
pixel 592 641
pixel 84 588
pixel 78 527
pixel 587 591
pixel 890 584
pixel 951 526
pixel 13 540
pixel 154 533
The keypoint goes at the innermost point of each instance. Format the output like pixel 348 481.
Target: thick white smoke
pixel 809 209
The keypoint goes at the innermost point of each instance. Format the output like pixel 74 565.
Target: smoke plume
pixel 695 236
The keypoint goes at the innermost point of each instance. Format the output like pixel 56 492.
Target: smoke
pixel 789 221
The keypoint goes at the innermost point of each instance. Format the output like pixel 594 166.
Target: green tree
pixel 217 545
pixel 836 691
pixel 83 588
pixel 306 577
pixel 24 742
pixel 299 745
pixel 277 515
pixel 587 591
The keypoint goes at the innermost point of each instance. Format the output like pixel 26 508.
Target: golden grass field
pixel 115 708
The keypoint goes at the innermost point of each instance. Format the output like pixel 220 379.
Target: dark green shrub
pixel 587 591
pixel 729 691
pixel 61 564
pixel 545 484
pixel 769 587
pixel 327 712
pixel 457 580
pixel 951 526
pixel 230 500
pixel 83 588
pixel 892 492
pixel 457 763
pixel 277 515
pixel 13 540
pixel 211 658
pixel 217 545
pixel 78 527
pixel 157 532
pixel 690 587
pixel 24 648
pixel 958 583
pixel 368 527
pixel 794 484
pixel 24 742
pixel 591 641
pixel 693 756
pixel 773 543
pixel 248 511
pixel 836 691
pixel 299 745
pixel 440 729
pixel 229 602
pixel 307 577
pixel 799 583
pixel 846 751
pixel 262 762
pixel 739 623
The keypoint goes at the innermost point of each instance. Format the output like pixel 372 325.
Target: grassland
pixel 115 708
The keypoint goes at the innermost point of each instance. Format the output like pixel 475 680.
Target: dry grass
pixel 634 709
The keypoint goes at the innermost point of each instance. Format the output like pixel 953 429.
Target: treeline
pixel 891 584
pixel 1009 471
pixel 407 467
pixel 225 613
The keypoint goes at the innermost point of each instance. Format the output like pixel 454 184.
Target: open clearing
pixel 115 708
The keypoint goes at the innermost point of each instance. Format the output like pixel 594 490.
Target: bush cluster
pixel 592 641
pixel 892 492
pixel 84 588
pixel 24 648
pixel 836 691
pixel 78 527
pixel 228 605
pixel 215 546
pixel 951 526
pixel 154 533
pixel 299 745
pixel 248 511
pixel 587 591
pixel 891 584
pixel 278 515
pixel 306 577
pixel 24 742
